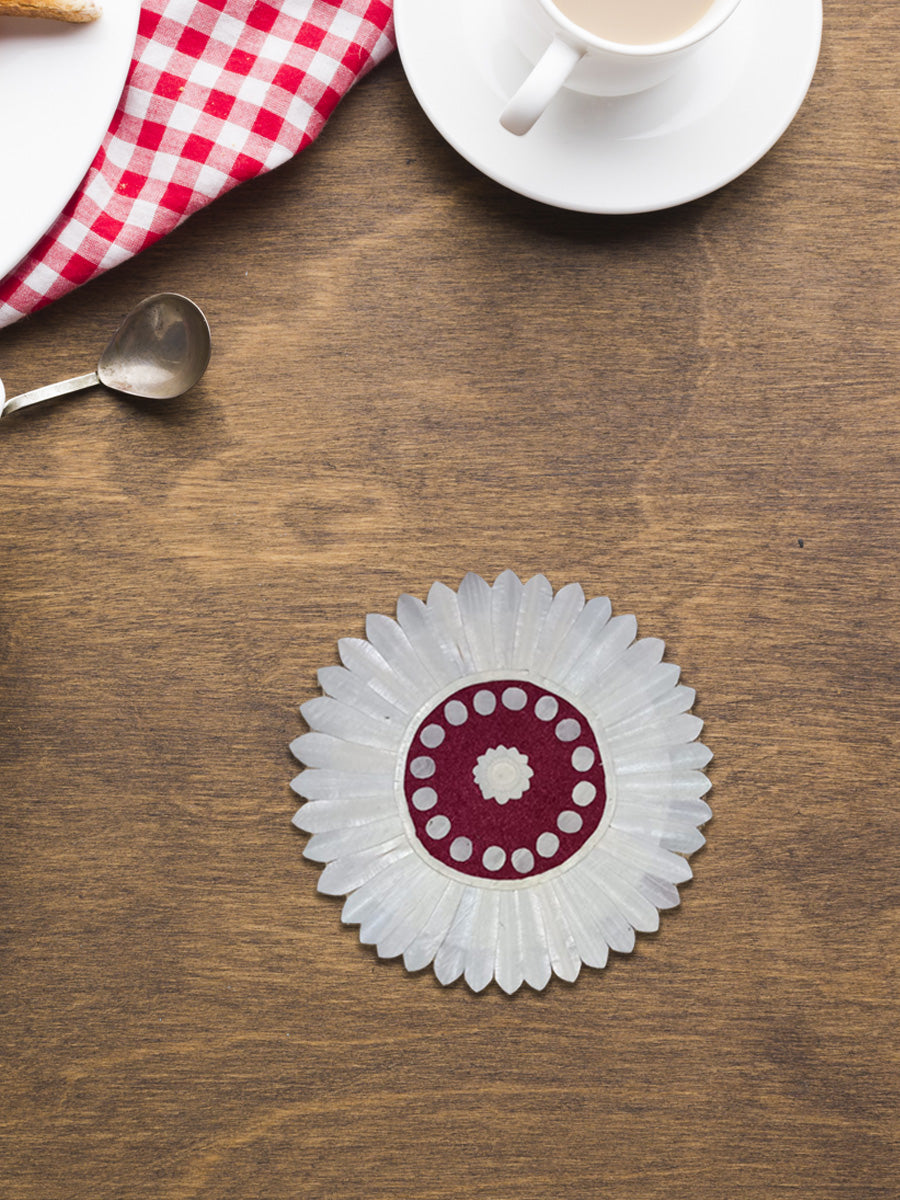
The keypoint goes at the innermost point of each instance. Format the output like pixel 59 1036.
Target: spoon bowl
pixel 160 351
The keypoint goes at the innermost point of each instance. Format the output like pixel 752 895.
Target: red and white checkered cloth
pixel 219 91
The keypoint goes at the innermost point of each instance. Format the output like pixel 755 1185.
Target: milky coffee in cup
pixel 603 47
pixel 635 22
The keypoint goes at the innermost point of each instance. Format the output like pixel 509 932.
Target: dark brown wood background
pixel 417 373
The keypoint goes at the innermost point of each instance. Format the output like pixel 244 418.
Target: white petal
pixel 659 892
pixel 322 816
pixel 664 759
pixel 326 715
pixel 322 750
pixel 672 731
pixel 564 957
pixel 434 645
pixel 666 700
pixel 394 647
pixel 673 809
pixel 450 959
pixel 506 595
pixel 443 605
pixel 508 966
pixel 635 909
pixel 402 880
pixel 337 843
pixel 583 673
pixel 413 911
pixel 433 933
pixel 678 836
pixel 475 611
pixel 590 942
pixel 683 840
pixel 480 953
pixel 537 596
pixel 536 966
pixel 343 685
pixel 582 638
pixel 654 698
pixel 346 874
pixel 684 727
pixel 597 904
pixel 670 784
pixel 650 858
pixel 638 660
pixel 368 899
pixel 564 609
pixel 343 785
pixel 363 660
pixel 589 675
pixel 627 669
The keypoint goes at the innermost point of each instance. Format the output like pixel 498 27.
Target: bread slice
pixel 54 10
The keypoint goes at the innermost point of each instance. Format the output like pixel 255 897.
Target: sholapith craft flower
pixel 503 782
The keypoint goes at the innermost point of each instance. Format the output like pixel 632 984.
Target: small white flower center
pixel 502 773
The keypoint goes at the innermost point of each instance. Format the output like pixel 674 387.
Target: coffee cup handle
pixel 548 75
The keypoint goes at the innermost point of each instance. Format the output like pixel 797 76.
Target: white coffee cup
pixel 575 58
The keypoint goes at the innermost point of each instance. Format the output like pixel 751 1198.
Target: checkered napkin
pixel 219 91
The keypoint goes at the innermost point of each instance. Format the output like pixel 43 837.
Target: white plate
pixel 708 124
pixel 59 88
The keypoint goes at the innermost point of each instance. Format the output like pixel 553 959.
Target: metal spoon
pixel 159 351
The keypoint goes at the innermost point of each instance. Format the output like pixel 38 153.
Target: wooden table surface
pixel 417 373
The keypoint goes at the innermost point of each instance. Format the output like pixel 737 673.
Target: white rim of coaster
pixel 505 783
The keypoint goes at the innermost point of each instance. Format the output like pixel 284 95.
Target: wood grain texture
pixel 416 374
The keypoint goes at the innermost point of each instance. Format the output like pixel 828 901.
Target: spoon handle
pixel 49 392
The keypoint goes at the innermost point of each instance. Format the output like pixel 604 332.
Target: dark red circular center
pixel 504 780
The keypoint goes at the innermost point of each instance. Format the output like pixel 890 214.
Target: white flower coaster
pixel 502 782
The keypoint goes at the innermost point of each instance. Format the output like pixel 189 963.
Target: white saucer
pixel 683 139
